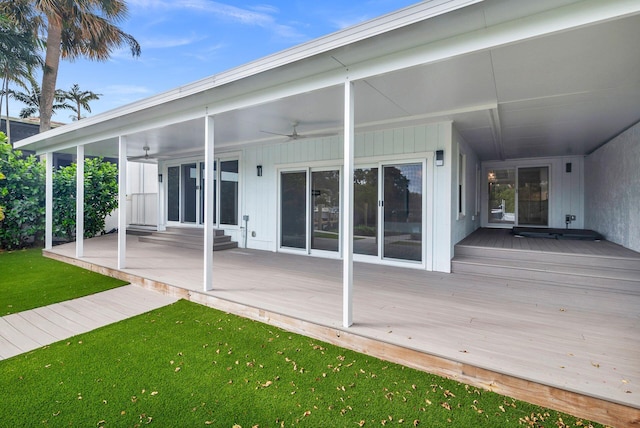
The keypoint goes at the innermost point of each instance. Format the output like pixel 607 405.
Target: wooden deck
pixel 569 348
pixel 28 330
pixel 503 238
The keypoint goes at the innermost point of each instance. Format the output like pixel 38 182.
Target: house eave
pixel 389 22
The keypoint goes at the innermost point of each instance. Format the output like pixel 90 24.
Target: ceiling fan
pixel 144 157
pixel 294 135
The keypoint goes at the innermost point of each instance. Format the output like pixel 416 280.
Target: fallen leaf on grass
pixel 446 405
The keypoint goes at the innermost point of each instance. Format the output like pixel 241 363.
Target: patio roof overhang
pixel 545 78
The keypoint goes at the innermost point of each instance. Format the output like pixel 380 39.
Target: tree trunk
pixel 7 120
pixel 50 74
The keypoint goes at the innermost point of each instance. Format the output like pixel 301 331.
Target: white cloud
pixel 262 15
pixel 168 42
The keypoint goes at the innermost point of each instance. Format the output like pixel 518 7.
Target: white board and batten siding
pixel 566 189
pixel 406 143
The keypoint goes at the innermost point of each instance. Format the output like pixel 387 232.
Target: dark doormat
pixel 535 232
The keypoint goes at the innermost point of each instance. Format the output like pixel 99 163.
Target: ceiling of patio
pixel 563 94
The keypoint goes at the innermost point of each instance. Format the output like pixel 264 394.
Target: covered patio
pixel 566 347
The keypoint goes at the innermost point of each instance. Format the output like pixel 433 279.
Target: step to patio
pixel 586 270
pixel 189 238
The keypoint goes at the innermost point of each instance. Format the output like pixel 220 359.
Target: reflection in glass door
pixel 533 196
pixel 502 196
pixel 173 193
pixel 189 192
pixel 325 209
pixel 293 209
pixel 402 211
pixel 365 211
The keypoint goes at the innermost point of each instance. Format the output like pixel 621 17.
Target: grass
pixel 28 280
pixel 189 365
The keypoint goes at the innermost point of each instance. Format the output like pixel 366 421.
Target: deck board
pixel 575 338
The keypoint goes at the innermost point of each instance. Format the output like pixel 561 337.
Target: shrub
pixel 100 197
pixel 22 198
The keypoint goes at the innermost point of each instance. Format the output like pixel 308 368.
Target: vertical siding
pixel 260 196
pixel 566 190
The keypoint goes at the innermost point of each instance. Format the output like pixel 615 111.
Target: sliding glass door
pixel 533 196
pixel 325 208
pixel 310 212
pixel 403 212
pixel 185 193
pixel 293 209
pixel 518 196
pixel 365 211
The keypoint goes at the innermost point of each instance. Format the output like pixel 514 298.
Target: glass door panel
pixel 229 192
pixel 293 209
pixel 202 192
pixel 533 196
pixel 402 212
pixel 325 208
pixel 502 196
pixel 189 192
pixel 365 211
pixel 173 193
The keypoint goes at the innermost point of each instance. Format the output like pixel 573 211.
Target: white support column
pixel 209 173
pixel 48 210
pixel 122 202
pixel 80 202
pixel 347 206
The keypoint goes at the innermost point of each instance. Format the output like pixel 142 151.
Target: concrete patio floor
pixel 566 347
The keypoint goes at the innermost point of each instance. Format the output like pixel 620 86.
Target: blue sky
pixel 186 40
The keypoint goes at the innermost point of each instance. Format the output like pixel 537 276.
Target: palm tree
pixel 80 100
pixel 32 99
pixel 18 58
pixel 74 28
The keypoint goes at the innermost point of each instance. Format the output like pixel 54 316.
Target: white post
pixel 208 201
pixel 80 202
pixel 122 202
pixel 347 207
pixel 48 210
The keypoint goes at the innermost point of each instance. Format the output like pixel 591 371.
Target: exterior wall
pixel 566 189
pixel 468 221
pixel 261 193
pixel 612 185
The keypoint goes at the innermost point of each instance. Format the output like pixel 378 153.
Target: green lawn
pixel 28 280
pixel 186 365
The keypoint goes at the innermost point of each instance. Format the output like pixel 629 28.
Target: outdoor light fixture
pixel 259 170
pixel 159 178
pixel 439 157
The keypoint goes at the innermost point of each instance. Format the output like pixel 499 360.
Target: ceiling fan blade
pixel 276 133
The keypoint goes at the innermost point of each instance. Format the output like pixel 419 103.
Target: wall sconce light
pixel 259 170
pixel 439 157
pixel 159 178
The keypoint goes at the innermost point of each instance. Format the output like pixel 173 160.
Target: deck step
pixel 623 279
pixel 590 260
pixel 189 238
